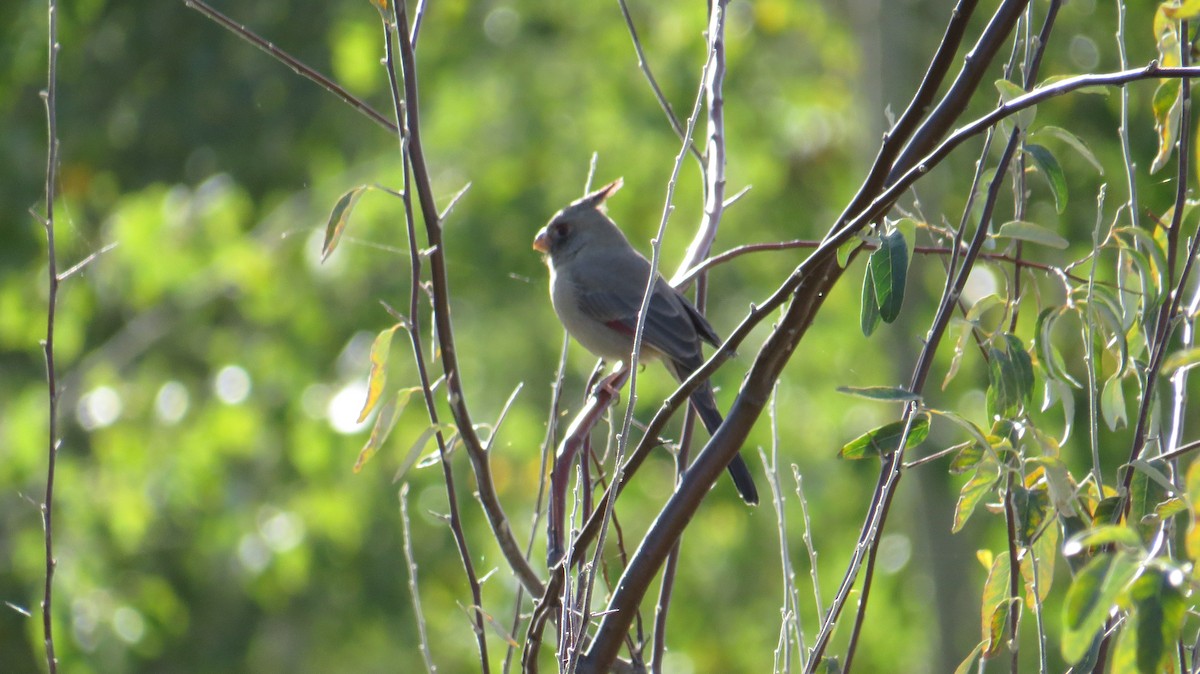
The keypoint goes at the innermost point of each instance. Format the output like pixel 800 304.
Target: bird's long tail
pixel 706 406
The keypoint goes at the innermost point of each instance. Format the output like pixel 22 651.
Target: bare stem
pixel 50 97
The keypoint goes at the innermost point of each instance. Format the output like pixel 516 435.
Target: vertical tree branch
pixel 714 145
pixel 1164 327
pixel 50 98
pixel 440 287
pixel 406 122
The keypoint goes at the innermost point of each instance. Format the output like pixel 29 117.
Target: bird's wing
pixel 672 324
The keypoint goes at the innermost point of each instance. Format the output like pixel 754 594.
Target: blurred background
pixel 207 517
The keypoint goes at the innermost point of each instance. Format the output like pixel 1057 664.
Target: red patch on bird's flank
pixel 621 327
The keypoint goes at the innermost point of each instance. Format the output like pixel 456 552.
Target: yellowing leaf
pixel 384 423
pixel 378 376
pixel 1166 121
pixel 1182 11
pixel 1193 491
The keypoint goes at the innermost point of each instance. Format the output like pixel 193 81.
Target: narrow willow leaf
pixel 1150 487
pixel 908 229
pixel 1010 378
pixel 869 310
pixel 983 305
pixel 1091 597
pixel 966 424
pixel 844 251
pixel 889 270
pixel 884 393
pixel 1075 143
pixel 377 377
pixel 1185 358
pixel 1044 551
pixel 1112 404
pixel 1170 508
pixel 1160 610
pixel 1033 233
pixel 1008 91
pixel 995 603
pixel 338 218
pixel 963 329
pixel 384 423
pixel 1103 535
pixel 1059 484
pixel 967 666
pixel 886 439
pixel 1192 542
pixel 1150 261
pixel 987 474
pixel 1048 164
pixel 1166 121
pixel 418 446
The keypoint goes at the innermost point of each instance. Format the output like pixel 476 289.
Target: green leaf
pixel 844 251
pixel 1150 261
pixel 895 394
pixel 1170 508
pixel 966 424
pixel 1059 484
pixel 1112 404
pixel 968 665
pixel 384 423
pixel 869 311
pixel 1103 535
pixel 1186 358
pixel 1092 594
pixel 980 485
pixel 338 218
pixel 1048 164
pixel 1010 378
pixel 1072 140
pixel 996 604
pixel 889 269
pixel 1033 233
pixel 1032 507
pixel 1023 119
pixel 1044 552
pixel 419 446
pixel 886 439
pixel 1155 623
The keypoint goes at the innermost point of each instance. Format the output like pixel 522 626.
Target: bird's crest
pixel 596 199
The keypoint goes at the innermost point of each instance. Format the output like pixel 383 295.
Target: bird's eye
pixel 559 229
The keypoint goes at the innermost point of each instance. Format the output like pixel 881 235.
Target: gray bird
pixel 597 281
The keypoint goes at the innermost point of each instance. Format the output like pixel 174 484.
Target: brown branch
pixel 659 96
pixel 405 120
pixel 1165 325
pixel 440 288
pixel 291 62
pixel 748 248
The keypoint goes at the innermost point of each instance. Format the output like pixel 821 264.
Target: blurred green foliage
pixel 207 519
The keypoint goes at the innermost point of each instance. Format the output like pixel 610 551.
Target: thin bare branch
pixel 291 62
pixel 50 98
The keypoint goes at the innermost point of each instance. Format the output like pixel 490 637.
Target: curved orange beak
pixel 541 242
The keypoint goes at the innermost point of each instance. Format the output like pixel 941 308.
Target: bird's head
pixel 582 223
